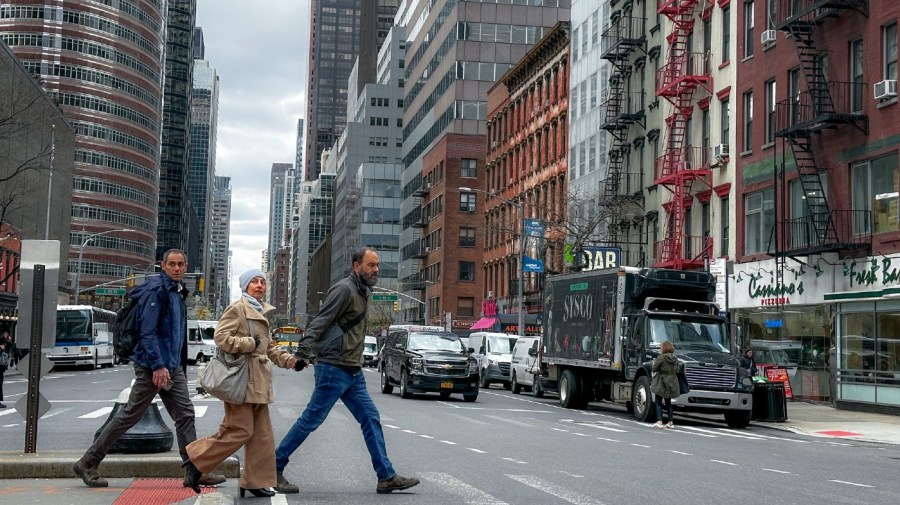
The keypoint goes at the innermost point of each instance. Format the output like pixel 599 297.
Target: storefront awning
pixel 485 323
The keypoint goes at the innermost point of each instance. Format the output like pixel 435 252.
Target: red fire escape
pixel 681 164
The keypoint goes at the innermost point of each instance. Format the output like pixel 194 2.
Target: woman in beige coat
pixel 243 329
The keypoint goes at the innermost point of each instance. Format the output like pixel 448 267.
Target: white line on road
pixel 575 475
pixel 448 442
pixel 849 483
pixel 641 445
pixel 686 431
pixel 97 413
pixel 770 437
pixel 479 451
pixel 510 421
pixel 513 460
pixel 278 499
pixel 679 452
pixel 426 436
pixel 601 427
pixel 7 411
pixel 471 495
pixel 200 410
pixel 729 463
pixel 408 431
pixel 560 429
pixel 555 490
pixel 716 433
pixel 580 434
pixel 391 426
pixel 607 439
pixel 777 471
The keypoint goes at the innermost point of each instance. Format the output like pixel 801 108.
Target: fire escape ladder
pixel 817 228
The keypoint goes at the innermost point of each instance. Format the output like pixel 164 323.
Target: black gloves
pixel 256 340
pixel 301 362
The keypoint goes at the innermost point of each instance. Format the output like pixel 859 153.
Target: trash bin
pixel 769 402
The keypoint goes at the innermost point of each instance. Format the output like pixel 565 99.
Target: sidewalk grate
pixel 157 492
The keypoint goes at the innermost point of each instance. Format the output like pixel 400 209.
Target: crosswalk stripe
pixel 552 489
pixel 770 437
pixel 471 495
pixel 601 427
pixel 719 432
pixel 97 413
pixel 200 410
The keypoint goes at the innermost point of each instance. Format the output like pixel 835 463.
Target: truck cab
pixel 494 354
pixel 201 341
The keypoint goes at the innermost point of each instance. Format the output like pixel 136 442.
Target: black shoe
pixel 259 493
pixel 192 476
pixel 2 405
pixel 396 483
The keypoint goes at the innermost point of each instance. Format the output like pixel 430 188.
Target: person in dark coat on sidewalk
pixel 6 358
pixel 747 361
pixel 665 382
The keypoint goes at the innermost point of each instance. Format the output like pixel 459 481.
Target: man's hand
pixel 161 377
pixel 300 364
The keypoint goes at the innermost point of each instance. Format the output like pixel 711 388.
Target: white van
pixel 524 363
pixel 201 344
pixel 370 351
pixel 494 354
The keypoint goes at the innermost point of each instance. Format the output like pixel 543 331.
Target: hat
pixel 248 276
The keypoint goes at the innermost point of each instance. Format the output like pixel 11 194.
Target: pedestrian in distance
pixel 748 363
pixel 337 338
pixel 665 382
pixel 243 328
pixel 6 359
pixel 160 358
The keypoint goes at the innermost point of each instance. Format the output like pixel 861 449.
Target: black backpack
pixel 127 331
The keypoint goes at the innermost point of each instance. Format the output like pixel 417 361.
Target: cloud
pixel 260 54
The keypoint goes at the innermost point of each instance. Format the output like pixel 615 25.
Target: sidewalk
pixel 819 420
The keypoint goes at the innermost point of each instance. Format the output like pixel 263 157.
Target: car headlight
pixel 416 364
pixel 492 361
pixel 747 382
pixel 472 368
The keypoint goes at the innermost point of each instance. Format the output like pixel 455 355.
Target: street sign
pixel 385 297
pixel 109 291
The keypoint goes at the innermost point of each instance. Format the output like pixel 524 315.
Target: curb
pixel 58 465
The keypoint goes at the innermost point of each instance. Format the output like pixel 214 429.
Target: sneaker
pixel 670 425
pixel 658 424
pixel 284 486
pixel 89 474
pixel 396 483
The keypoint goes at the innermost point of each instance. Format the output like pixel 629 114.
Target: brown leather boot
pixel 89 474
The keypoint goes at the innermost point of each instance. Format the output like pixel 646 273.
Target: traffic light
pixel 201 284
pixel 131 281
pixel 397 306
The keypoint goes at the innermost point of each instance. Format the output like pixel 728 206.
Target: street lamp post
pixel 84 244
pixel 521 283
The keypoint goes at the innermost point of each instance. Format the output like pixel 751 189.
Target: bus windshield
pixel 287 336
pixel 73 327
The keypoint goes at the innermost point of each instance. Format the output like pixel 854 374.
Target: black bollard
pixel 149 435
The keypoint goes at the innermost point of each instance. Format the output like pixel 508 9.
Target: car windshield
pixel 501 345
pixel 435 342
pixel 688 332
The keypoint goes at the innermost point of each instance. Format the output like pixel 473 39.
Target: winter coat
pixel 233 334
pixel 163 342
pixel 665 380
pixel 346 301
pixel 749 364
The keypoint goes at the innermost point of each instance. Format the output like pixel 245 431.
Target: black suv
pixel 425 360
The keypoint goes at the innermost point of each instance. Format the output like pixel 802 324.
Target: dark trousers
pixel 2 371
pixel 659 408
pixel 178 404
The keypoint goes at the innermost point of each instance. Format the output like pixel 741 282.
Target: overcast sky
pixel 260 51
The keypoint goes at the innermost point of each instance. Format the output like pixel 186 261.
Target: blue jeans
pixel 333 382
pixel 659 408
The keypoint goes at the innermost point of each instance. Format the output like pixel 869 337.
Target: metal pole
pixel 32 405
pixel 426 303
pixel 521 330
pixel 50 180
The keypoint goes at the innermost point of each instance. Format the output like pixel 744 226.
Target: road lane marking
pixel 717 433
pixel 560 429
pixel 200 410
pixel 278 499
pixel 452 485
pixel 849 483
pixel 97 413
pixel 448 442
pixel 426 436
pixel 607 439
pixel 516 461
pixel 479 451
pixel 510 421
pixel 679 452
pixel 641 445
pixel 554 490
pixel 729 463
pixel 601 427
pixel 7 411
pixel 777 471
pixel 409 431
pixel 391 426
pixel 769 437
pixel 575 475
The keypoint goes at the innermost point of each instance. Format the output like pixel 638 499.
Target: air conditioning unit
pixel 427 249
pixel 885 89
pixel 428 185
pixel 768 37
pixel 471 207
pixel 721 151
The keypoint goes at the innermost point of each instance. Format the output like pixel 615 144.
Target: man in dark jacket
pixel 160 358
pixel 337 335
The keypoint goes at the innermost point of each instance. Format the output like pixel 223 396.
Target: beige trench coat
pixel 233 335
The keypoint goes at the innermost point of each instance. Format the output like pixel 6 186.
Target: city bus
pixel 83 337
pixel 287 336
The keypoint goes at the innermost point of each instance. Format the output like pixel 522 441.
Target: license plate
pixel 446 385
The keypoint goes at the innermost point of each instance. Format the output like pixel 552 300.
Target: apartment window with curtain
pixel 794 94
pixel 726 35
pixel 771 12
pixel 723 226
pixel 770 111
pixel 856 76
pixel 748 29
pixel 759 220
pixel 707 35
pixel 748 122
pixel 889 39
pixel 725 122
pixel 704 119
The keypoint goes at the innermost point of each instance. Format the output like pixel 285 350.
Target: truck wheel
pixel 404 391
pixel 642 401
pixel 536 389
pixel 738 419
pixel 484 382
pixel 200 359
pixel 570 394
pixel 516 388
pixel 470 398
pixel 386 387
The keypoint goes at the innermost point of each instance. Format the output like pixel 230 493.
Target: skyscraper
pixel 276 208
pixel 202 161
pixel 103 63
pixel 220 241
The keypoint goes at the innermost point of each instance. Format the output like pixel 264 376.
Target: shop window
pixel 876 188
pixel 759 220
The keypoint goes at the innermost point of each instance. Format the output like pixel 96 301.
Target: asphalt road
pixel 508 449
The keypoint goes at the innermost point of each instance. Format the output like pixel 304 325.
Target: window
pixel 794 94
pixel 593 90
pixel 467 270
pixel 688 233
pixel 748 29
pixel 465 307
pixel 770 111
pixel 889 37
pixel 704 221
pixel 856 76
pixel 707 35
pixel 723 226
pixel 575 45
pixel 726 35
pixel 467 202
pixel 467 168
pixel 748 121
pixel 704 124
pixel 759 220
pixel 803 228
pixel 771 12
pixel 876 188
pixel 725 128
pixel 466 237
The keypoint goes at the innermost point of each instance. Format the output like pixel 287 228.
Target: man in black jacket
pixel 337 335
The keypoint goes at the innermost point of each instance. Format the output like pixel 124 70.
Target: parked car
pixel 422 359
pixel 524 363
pixel 493 352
